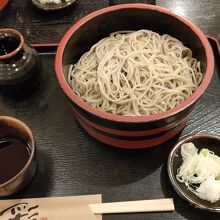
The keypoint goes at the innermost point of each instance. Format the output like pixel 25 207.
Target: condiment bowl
pixel 200 141
pixel 132 132
pixel 14 128
pixel 52 6
pixel 20 64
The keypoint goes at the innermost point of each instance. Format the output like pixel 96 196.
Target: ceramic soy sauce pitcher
pixel 20 64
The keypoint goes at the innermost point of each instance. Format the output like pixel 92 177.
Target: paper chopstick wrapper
pixel 53 208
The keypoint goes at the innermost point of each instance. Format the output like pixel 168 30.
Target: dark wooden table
pixel 70 162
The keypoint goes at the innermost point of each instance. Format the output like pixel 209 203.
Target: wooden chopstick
pixel 156 205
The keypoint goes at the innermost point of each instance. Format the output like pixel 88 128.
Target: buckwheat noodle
pixel 136 73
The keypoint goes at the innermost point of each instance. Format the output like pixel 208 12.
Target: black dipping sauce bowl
pixel 17 155
pixel 200 141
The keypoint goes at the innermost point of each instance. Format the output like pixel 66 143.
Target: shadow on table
pixel 107 166
pixel 181 206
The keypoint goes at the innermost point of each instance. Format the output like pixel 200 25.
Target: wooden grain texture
pixel 48 27
pixel 70 162
pixel 204 13
pixel 40 26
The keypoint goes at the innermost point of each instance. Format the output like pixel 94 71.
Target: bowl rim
pixel 32 154
pixel 134 119
pixel 3 3
pixel 19 36
pixel 172 178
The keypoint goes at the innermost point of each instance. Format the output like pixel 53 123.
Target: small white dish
pixel 52 6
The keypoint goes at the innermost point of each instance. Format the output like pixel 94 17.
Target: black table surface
pixel 70 162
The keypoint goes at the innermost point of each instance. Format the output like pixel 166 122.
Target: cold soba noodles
pixel 136 73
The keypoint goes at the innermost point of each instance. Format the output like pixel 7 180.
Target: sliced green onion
pixel 205 152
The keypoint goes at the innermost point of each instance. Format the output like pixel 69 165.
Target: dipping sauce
pixel 13 158
pixel 8 44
